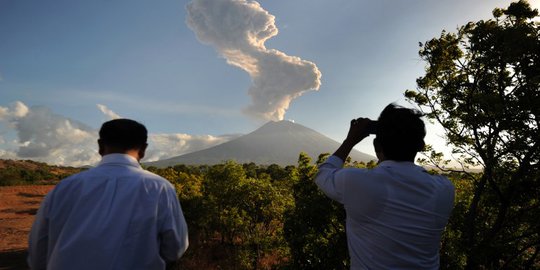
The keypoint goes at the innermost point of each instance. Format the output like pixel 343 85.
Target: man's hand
pixel 357 132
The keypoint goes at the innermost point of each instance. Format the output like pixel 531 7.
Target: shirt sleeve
pixel 329 180
pixel 38 239
pixel 173 229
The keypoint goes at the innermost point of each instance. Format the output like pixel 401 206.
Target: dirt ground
pixel 18 205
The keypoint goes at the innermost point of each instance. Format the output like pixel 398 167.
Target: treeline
pixel 28 172
pixel 249 216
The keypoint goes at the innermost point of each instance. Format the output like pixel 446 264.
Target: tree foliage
pixel 28 172
pixel 240 205
pixel 482 85
pixel 315 227
pixel 250 216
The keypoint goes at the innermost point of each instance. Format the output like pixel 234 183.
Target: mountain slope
pixel 275 142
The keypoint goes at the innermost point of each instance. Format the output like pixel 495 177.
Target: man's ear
pixel 421 146
pixel 378 149
pixel 101 147
pixel 142 151
pixel 377 145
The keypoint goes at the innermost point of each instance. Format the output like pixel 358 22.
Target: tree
pixel 315 227
pixel 246 212
pixel 482 85
pixel 221 200
pixel 189 190
pixel 262 208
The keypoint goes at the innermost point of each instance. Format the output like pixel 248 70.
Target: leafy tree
pixel 453 253
pixel 221 193
pixel 189 190
pixel 277 173
pixel 262 208
pixel 250 169
pixel 10 176
pixel 246 212
pixel 482 85
pixel 314 228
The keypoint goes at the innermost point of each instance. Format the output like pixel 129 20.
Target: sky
pixel 202 72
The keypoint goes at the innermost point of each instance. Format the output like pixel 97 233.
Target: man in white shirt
pixel 396 212
pixel 113 216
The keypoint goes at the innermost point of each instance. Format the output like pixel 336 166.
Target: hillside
pixel 22 172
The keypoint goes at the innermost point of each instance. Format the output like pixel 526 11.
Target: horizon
pixel 232 138
pixel 67 67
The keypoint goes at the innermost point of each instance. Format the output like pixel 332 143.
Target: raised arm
pixel 357 132
pixel 330 178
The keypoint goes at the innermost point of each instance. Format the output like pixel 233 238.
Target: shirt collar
pixel 402 164
pixel 119 159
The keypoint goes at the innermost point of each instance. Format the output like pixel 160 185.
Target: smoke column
pixel 238 29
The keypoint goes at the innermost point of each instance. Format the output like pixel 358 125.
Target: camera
pixel 372 127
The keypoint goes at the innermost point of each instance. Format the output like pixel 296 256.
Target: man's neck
pixel 133 153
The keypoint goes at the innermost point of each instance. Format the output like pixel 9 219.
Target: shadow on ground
pixel 13 260
pixel 30 195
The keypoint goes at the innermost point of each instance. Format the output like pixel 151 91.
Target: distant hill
pixel 25 172
pixel 274 143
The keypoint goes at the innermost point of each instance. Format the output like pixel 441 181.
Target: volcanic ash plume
pixel 238 29
pixel 108 112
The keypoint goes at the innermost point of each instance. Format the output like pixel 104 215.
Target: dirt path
pixel 18 205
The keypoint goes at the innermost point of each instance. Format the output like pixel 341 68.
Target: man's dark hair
pixel 123 134
pixel 400 132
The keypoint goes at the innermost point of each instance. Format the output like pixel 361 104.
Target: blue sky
pixel 63 60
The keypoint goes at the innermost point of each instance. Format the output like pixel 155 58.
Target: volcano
pixel 276 142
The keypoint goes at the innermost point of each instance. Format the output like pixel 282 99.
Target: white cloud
pixel 162 146
pixel 15 110
pixel 6 154
pixel 108 112
pixel 20 110
pixel 48 137
pixel 238 29
pixel 55 139
pixel 45 136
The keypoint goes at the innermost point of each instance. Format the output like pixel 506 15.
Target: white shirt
pixel 114 216
pixel 396 212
